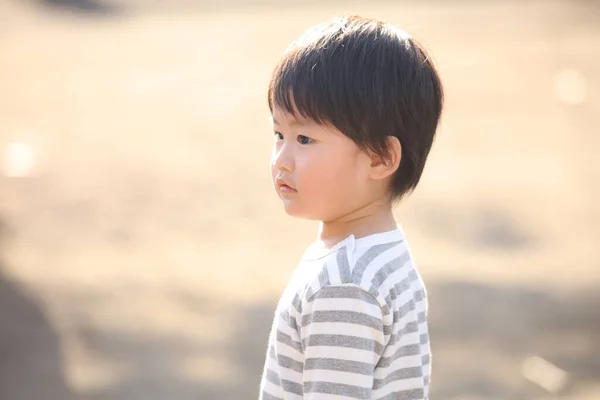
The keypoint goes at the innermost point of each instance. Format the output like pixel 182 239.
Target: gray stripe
pixel 287 339
pixel 351 342
pixel 267 396
pixel 364 260
pixel 420 295
pixel 345 292
pixel 412 394
pixel 385 309
pixel 290 363
pixel 272 353
pixel 291 387
pixel 272 377
pixel 297 303
pixel 397 375
pixel 400 288
pixel 426 379
pixel 425 359
pixel 343 265
pixel 410 327
pixel 422 317
pixel 339 389
pixel 309 293
pixel 424 338
pixel 324 277
pixel 334 364
pixel 404 310
pixel 350 317
pixel 387 330
pixel 290 321
pixel 404 351
pixel 389 268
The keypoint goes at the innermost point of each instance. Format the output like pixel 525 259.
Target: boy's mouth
pixel 283 187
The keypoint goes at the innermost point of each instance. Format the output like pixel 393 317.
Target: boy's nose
pixel 282 160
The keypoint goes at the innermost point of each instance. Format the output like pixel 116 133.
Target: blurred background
pixel 143 250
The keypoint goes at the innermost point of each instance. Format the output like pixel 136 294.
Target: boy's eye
pixel 304 139
pixel 278 136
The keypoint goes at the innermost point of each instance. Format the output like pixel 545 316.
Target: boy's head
pixel 355 106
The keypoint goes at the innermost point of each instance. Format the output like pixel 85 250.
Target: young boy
pixel 355 106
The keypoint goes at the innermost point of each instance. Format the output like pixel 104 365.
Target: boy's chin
pixel 295 210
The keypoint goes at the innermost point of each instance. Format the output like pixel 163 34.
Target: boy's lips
pixel 284 187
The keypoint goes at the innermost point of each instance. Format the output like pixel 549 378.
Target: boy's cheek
pixel 274 173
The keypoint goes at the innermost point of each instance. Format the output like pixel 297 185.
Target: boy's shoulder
pixel 380 265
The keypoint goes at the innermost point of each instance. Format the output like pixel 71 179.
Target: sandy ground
pixel 142 250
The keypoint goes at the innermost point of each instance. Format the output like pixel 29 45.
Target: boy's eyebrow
pixel 292 122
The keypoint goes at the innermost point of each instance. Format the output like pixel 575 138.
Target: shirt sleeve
pixel 342 331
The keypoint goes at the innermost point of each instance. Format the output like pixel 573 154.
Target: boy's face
pixel 317 171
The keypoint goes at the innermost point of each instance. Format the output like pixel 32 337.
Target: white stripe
pixel 321 396
pixel 406 339
pixel 402 362
pixel 285 350
pixel 315 285
pixel 347 378
pixel 333 269
pixel 273 366
pixel 272 389
pixel 345 353
pixel 358 252
pixel 399 385
pixel 343 328
pixel 345 304
pixel 289 374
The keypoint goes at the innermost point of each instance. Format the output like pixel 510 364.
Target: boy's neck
pixel 371 219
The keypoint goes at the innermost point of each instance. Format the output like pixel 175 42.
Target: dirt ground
pixel 142 249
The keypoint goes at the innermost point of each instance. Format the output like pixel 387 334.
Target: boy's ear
pixel 384 166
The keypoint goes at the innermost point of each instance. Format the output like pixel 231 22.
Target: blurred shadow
pixel 31 363
pixel 481 334
pixel 153 363
pixel 95 7
pixel 489 325
pixel 483 228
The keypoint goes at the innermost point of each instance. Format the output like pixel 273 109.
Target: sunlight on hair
pixel 402 34
pixel 18 159
pixel 311 35
pixel 570 86
pixel 341 23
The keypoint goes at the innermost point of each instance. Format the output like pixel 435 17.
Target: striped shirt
pixel 351 324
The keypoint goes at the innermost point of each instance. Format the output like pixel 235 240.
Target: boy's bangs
pixel 300 94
